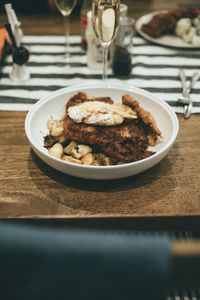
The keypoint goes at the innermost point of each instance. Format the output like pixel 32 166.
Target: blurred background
pixel 34 9
pixel 44 6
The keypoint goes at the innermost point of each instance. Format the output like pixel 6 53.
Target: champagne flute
pixel 105 18
pixel 66 7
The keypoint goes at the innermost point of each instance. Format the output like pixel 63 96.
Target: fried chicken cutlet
pixel 122 143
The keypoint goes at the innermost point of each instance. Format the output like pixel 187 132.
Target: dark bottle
pixel 122 64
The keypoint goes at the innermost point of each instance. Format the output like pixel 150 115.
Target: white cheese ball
pixel 189 36
pixel 196 21
pixel 183 26
pixel 198 30
pixel 196 40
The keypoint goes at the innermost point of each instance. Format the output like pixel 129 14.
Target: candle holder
pixel 19 73
pixel 20 57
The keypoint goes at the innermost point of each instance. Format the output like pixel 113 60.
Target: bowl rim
pixel 108 85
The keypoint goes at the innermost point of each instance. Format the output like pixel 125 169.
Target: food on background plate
pixel 189 30
pixel 96 131
pixel 183 23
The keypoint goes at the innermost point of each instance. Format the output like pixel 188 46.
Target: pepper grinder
pixel 122 60
pixel 20 57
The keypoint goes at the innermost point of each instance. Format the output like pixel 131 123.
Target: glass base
pixel 19 73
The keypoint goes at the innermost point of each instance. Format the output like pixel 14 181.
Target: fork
pixel 185 98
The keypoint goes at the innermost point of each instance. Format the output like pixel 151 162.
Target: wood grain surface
pixel 31 189
pixel 53 23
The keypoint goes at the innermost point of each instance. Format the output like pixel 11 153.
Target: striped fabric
pixel 155 69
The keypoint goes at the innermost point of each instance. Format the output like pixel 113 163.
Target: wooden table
pixel 165 197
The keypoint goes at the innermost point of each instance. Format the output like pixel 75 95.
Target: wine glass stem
pixel 105 62
pixel 66 27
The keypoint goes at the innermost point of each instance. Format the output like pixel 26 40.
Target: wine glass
pixel 66 7
pixel 105 19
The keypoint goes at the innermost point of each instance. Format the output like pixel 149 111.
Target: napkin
pixel 46 263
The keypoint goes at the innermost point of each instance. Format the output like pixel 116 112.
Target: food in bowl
pixel 96 131
pixel 183 23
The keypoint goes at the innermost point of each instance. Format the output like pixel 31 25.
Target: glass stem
pixel 105 62
pixel 66 27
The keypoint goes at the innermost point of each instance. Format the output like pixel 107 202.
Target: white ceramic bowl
pixel 54 106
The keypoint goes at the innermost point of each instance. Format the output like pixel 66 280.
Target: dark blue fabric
pixel 38 263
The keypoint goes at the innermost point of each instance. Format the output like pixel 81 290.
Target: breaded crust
pixel 143 114
pixel 123 143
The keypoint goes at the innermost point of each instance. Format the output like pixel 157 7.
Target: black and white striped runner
pixel 155 69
